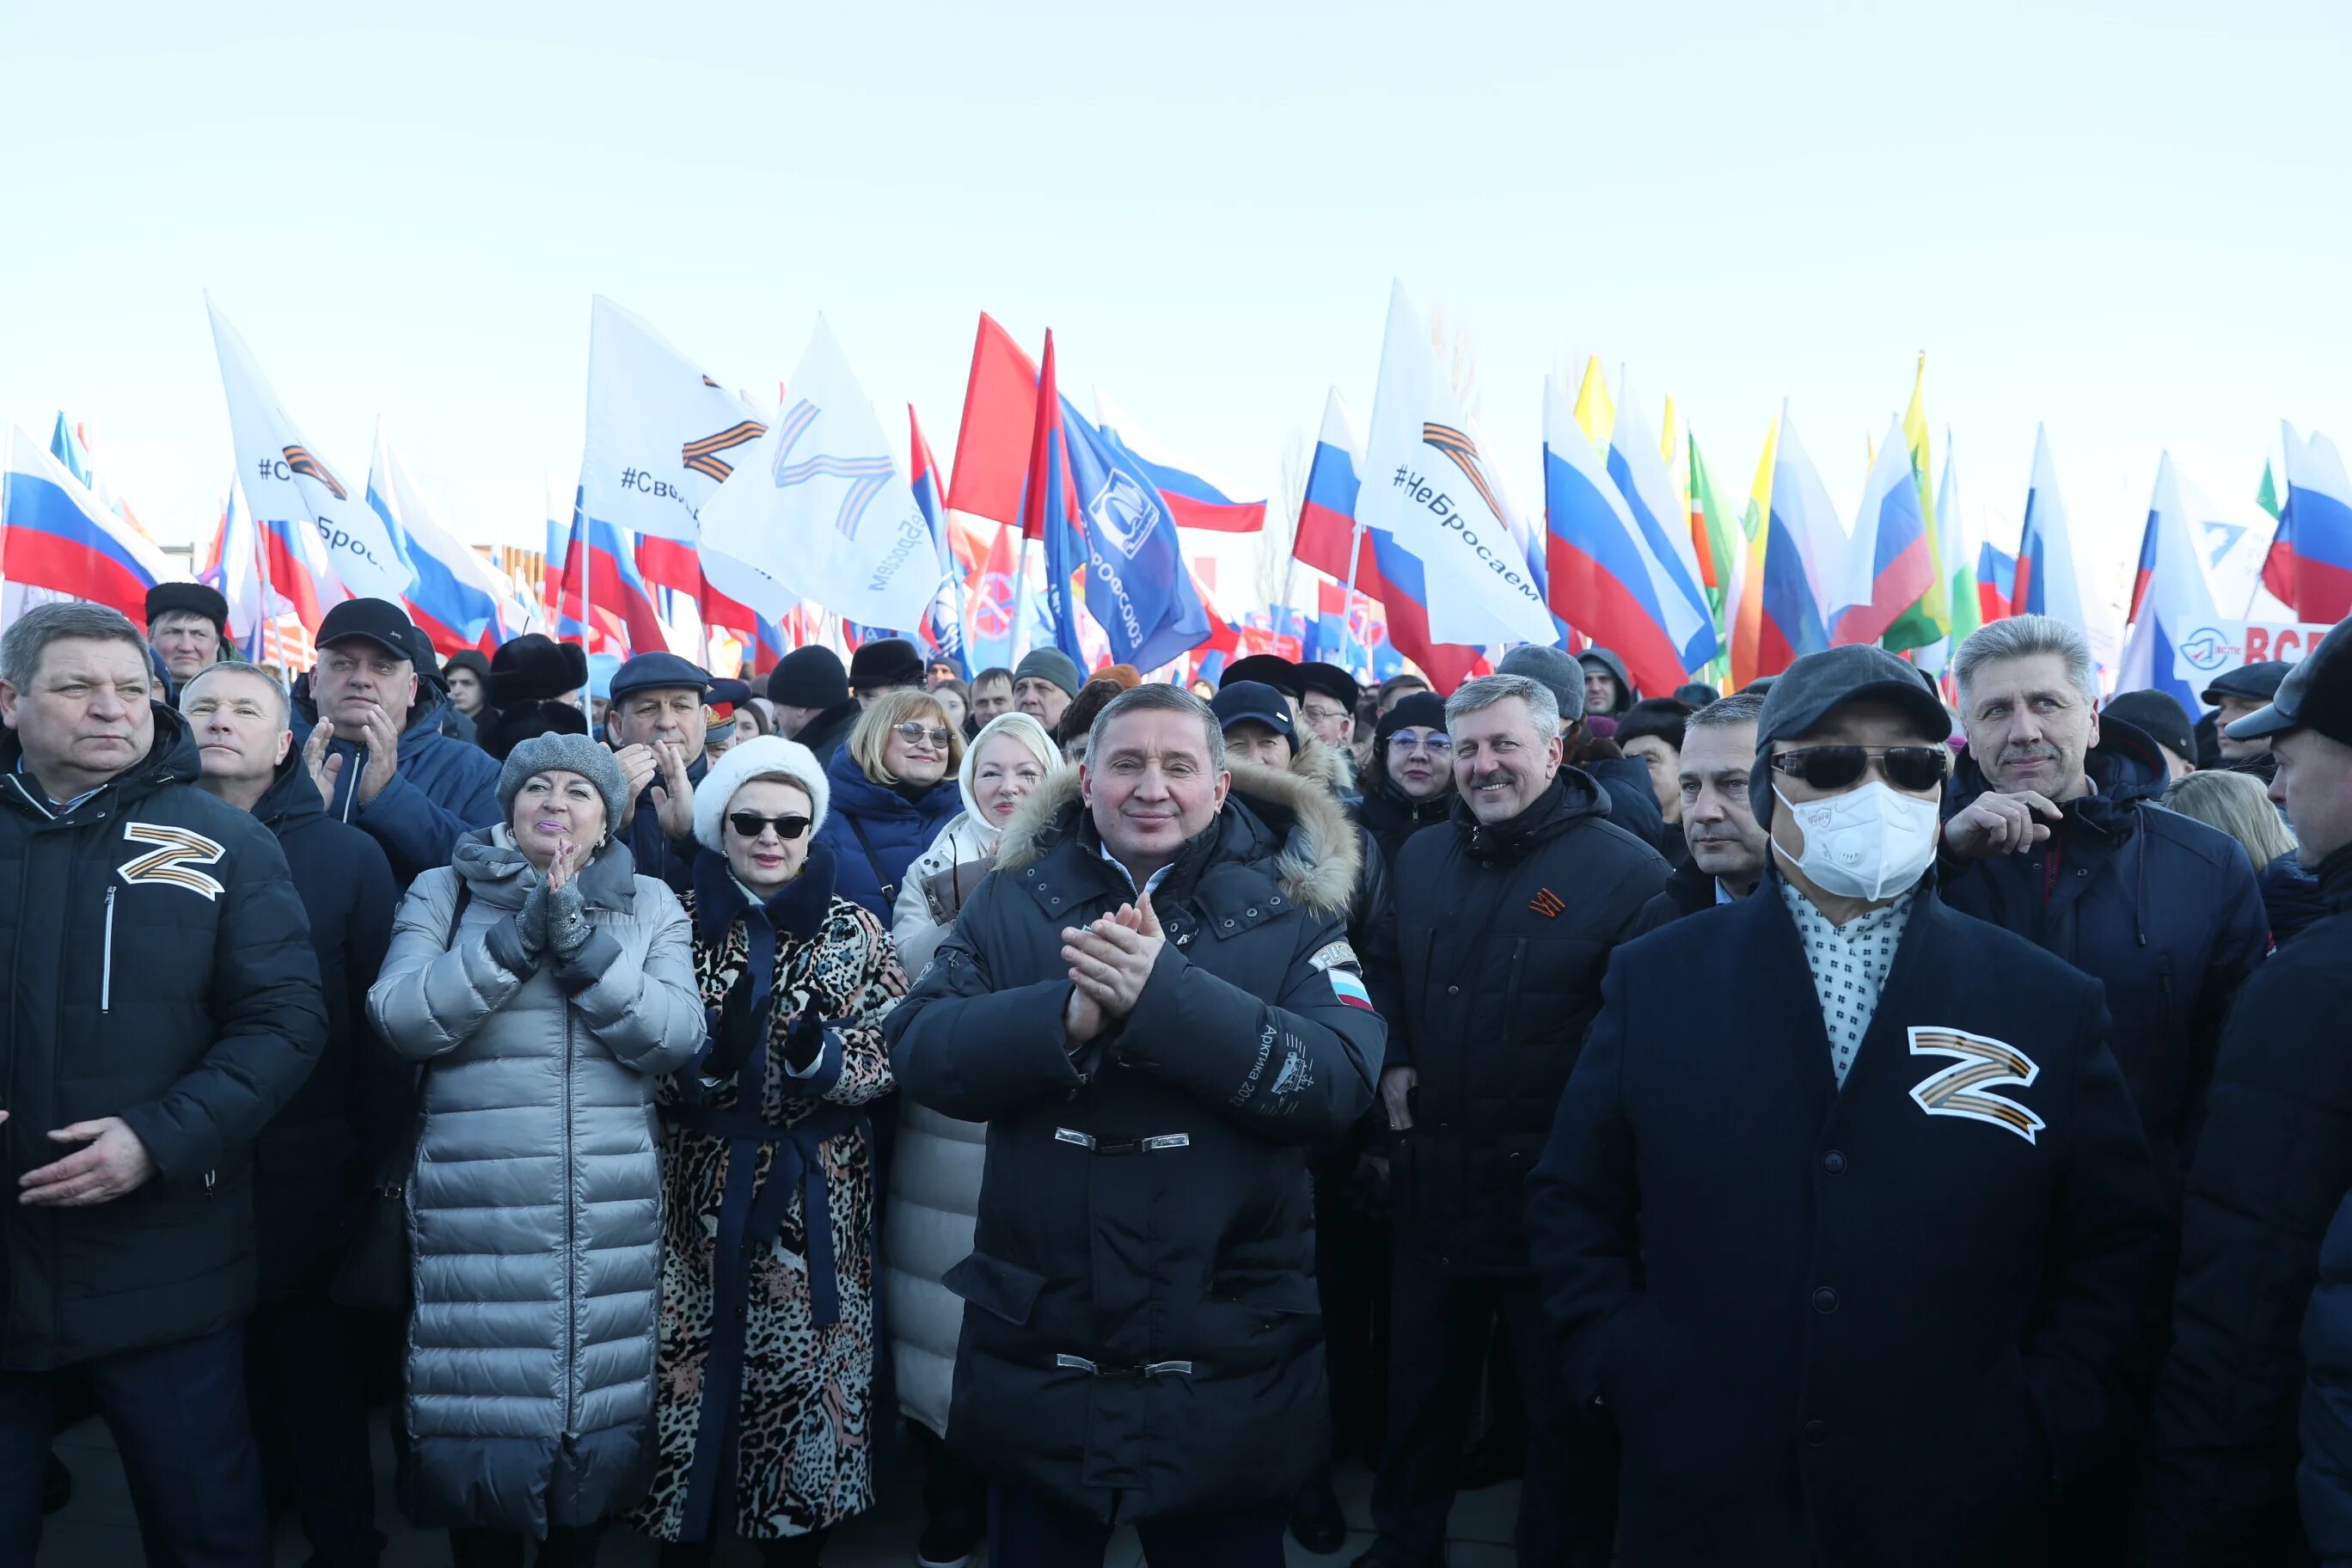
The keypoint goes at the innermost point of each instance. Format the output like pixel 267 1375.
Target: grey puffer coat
pixel 535 1207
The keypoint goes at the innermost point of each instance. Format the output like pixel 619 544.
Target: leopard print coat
pixel 804 1422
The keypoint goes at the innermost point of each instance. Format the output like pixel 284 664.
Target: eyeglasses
pixel 1435 746
pixel 750 823
pixel 1834 767
pixel 914 733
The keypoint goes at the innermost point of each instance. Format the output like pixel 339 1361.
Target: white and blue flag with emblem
pixel 1137 586
pixel 817 504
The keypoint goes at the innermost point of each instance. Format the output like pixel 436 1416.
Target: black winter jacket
pixel 1141 1329
pixel 2160 907
pixel 2275 1161
pixel 2323 1482
pixel 1688 891
pixel 1392 816
pixel 313 1162
pixel 1632 804
pixel 159 971
pixel 1845 1326
pixel 824 734
pixel 1501 937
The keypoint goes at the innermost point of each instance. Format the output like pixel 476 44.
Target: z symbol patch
pixel 1960 1090
pixel 172 863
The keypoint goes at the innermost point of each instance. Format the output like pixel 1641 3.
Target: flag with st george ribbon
pixel 818 507
pixel 1137 586
pixel 287 485
pixel 1428 490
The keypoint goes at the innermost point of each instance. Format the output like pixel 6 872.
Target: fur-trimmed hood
pixel 1316 864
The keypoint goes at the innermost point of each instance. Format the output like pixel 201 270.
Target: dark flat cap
pixel 660 671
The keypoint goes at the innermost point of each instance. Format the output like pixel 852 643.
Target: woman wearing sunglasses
pixel 893 789
pixel 765 1413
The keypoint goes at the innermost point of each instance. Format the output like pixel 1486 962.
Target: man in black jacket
pixel 1858 1240
pixel 810 691
pixel 1508 922
pixel 1718 825
pixel 162 1003
pixel 655 728
pixel 370 729
pixel 1632 804
pixel 1152 1003
pixel 313 1161
pixel 2054 830
pixel 2273 1163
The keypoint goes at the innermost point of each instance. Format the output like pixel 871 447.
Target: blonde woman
pixel 894 788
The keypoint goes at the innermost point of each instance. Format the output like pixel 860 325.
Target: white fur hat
pixel 760 757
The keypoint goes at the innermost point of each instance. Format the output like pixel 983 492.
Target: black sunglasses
pixel 750 823
pixel 1834 767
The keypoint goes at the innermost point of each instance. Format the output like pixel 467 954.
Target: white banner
pixel 662 436
pixel 818 505
pixel 2213 646
pixel 1427 486
pixel 285 480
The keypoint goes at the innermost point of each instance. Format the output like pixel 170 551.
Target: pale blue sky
pixel 2128 219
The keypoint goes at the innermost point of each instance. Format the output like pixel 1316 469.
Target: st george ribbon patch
pixel 1962 1089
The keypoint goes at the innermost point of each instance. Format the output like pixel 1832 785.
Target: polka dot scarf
pixel 1850 963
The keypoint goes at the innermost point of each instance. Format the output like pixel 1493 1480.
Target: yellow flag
pixel 1595 415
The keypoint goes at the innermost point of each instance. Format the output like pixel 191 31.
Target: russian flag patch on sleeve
pixel 1350 989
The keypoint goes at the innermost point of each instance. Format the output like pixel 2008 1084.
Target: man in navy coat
pixel 1860 1241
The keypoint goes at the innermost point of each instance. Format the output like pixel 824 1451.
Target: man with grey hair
pixel 1626 780
pixel 2053 829
pixel 162 1004
pixel 1514 911
pixel 1153 1004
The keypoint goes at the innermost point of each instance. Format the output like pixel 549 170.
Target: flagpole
pixel 261 567
pixel 587 593
pixel 1348 607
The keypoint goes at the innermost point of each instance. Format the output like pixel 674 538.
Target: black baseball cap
pixel 2315 695
pixel 1254 702
pixel 379 621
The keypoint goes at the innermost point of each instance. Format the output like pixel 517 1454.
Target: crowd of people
pixel 1818 1124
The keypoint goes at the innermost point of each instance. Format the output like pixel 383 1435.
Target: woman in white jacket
pixel 935 1176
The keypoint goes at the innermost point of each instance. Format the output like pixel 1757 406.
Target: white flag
pixel 1428 486
pixel 818 505
pixel 285 480
pixel 662 436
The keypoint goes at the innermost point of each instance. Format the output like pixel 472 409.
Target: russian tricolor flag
pixel 1192 500
pixel 453 594
pixel 2045 553
pixel 2310 563
pixel 1641 476
pixel 1326 517
pixel 601 586
pixel 1996 583
pixel 1605 576
pixel 58 537
pixel 1887 565
pixel 1804 542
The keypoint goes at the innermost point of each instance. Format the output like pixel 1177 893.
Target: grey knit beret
pixel 570 754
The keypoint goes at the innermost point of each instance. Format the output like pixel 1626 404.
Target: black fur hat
pixel 533 668
pixel 515 725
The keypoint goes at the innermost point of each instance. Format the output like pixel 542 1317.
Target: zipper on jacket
pixel 572 1249
pixel 106 964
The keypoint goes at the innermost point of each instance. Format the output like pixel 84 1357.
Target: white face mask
pixel 1869 843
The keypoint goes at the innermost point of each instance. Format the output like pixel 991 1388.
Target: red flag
pixel 1000 413
pixel 1032 491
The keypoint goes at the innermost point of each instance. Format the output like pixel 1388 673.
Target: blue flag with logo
pixel 1137 585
